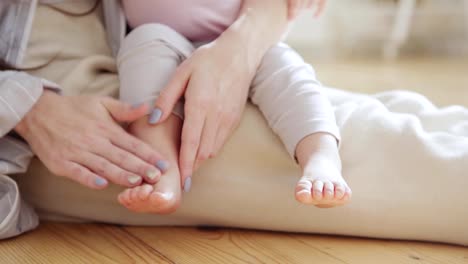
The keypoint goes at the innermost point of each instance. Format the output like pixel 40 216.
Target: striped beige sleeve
pixel 16 216
pixel 18 93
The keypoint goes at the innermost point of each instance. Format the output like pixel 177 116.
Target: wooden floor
pixel 60 243
pixel 444 81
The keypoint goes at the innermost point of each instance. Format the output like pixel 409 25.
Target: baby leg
pixel 147 60
pixel 288 94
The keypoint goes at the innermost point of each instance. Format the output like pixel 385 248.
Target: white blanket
pixel 406 161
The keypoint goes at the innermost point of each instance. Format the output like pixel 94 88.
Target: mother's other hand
pixel 215 81
pixel 79 137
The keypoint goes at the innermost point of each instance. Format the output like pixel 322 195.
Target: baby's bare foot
pixel 163 197
pixel 321 183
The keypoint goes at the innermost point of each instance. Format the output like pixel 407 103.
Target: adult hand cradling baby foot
pixel 78 137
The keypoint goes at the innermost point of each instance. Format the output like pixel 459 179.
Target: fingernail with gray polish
pixel 100 182
pixel 155 116
pixel 188 184
pixel 152 174
pixel 134 179
pixel 162 165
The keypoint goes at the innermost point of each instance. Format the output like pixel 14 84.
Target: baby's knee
pixel 153 33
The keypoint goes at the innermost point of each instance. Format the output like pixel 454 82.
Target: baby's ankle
pixel 317 146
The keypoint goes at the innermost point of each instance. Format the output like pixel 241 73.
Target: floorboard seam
pixel 124 229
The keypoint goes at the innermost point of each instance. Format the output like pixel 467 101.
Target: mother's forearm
pixel 260 25
pixel 264 19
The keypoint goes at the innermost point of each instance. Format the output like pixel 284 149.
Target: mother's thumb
pixel 171 94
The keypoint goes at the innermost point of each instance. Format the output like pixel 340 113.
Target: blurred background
pixel 385 28
pixel 377 45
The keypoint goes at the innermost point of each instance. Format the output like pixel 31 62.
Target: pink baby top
pixel 197 20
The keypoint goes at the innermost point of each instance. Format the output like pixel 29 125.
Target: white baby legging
pixel 285 88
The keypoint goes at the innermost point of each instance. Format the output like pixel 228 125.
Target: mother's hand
pixel 215 81
pixel 79 137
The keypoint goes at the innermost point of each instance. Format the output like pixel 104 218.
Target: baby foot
pixel 322 185
pixel 163 197
pixel 147 199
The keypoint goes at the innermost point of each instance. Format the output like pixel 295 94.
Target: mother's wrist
pixel 23 127
pixel 245 46
pixel 260 25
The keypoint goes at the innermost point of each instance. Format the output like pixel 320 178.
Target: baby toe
pixel 124 197
pixel 145 192
pixel 303 185
pixel 304 196
pixel 303 191
pixel 126 194
pixel 340 190
pixel 347 195
pixel 134 194
pixel 317 190
pixel 328 191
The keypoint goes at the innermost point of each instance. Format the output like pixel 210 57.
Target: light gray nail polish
pixel 134 179
pixel 155 116
pixel 152 174
pixel 162 165
pixel 100 182
pixel 188 184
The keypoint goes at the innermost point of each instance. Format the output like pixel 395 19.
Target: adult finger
pixel 129 162
pixel 208 138
pixel 108 170
pixel 138 148
pixel 190 141
pixel 172 93
pixel 83 175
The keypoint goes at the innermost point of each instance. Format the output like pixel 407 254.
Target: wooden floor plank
pixel 91 243
pixel 432 253
pixel 358 250
pixel 62 243
pixel 183 245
